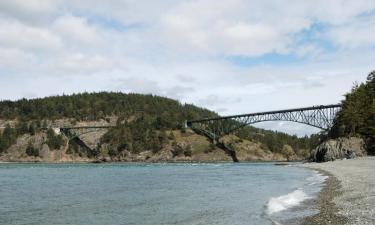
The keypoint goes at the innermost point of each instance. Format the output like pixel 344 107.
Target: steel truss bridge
pixel 76 132
pixel 321 117
pixel 317 116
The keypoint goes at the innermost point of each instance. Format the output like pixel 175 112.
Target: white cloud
pixel 30 11
pixel 80 64
pixel 355 34
pixel 76 30
pixel 180 49
pixel 252 39
pixel 18 35
pixel 226 28
pixel 13 58
pixel 338 12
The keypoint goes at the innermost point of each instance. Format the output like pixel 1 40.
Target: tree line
pixel 10 134
pixel 94 106
pixel 144 121
pixel 357 116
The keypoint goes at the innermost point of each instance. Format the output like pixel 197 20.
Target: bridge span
pixel 321 117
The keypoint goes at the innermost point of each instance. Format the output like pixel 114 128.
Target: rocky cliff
pixel 340 148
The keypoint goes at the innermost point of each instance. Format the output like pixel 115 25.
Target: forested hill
pixel 145 123
pixel 357 116
pixel 167 112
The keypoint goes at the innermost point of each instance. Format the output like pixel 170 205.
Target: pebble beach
pixel 349 193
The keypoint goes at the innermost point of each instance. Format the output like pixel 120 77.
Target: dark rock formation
pixel 339 148
pixel 370 145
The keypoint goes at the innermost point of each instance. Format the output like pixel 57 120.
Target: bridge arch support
pixel 321 117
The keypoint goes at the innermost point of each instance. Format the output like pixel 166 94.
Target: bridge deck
pixel 268 112
pixel 87 127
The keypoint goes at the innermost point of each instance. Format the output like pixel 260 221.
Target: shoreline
pixel 328 211
pixel 348 195
pixel 277 163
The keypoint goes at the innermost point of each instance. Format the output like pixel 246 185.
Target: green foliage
pixel 212 147
pixel 93 153
pixel 136 136
pixel 188 151
pixel 31 151
pixel 163 137
pixel 22 128
pixel 357 117
pixel 112 152
pixel 32 128
pixel 142 121
pixel 147 115
pixel 275 141
pixel 155 142
pixel 72 147
pixel 167 113
pixel 7 138
pixel 9 135
pixel 54 141
pixel 177 150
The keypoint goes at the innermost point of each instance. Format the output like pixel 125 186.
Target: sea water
pixel 151 194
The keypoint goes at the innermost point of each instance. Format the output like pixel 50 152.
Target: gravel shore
pixel 349 194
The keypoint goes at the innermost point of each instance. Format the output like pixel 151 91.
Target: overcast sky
pixel 231 56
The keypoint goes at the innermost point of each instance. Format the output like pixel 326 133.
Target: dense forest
pixel 357 116
pixel 94 106
pixel 144 122
pixel 156 113
pixel 275 141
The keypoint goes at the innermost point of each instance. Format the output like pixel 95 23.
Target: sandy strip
pixel 349 194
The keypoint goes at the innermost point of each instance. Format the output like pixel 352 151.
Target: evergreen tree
pixel 54 141
pixel 31 151
pixel 7 138
pixel 357 116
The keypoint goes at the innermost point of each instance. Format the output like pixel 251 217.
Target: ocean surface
pixel 152 194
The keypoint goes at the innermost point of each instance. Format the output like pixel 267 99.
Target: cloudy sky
pixel 231 56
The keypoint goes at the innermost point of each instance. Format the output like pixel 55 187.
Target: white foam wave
pixel 286 201
pixel 317 178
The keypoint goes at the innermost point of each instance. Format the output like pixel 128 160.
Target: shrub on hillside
pixel 31 151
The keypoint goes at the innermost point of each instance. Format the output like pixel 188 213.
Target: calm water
pixel 145 194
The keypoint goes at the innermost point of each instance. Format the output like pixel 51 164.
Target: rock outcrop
pixel 340 148
pixel 370 145
pixel 249 151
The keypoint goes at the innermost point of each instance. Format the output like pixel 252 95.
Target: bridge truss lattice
pixel 321 117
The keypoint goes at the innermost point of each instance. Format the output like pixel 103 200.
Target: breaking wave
pixel 317 178
pixel 284 202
